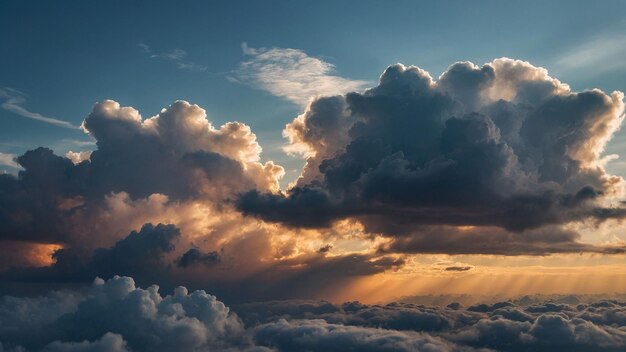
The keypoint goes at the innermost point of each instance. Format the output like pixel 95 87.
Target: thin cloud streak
pixel 292 74
pixel 176 56
pixel 13 100
pixel 595 56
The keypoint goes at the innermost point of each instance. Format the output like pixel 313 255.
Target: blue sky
pixel 59 58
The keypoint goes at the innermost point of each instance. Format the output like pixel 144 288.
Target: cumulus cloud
pixel 503 147
pixel 13 102
pixel 292 74
pixel 178 140
pixel 177 153
pixel 116 315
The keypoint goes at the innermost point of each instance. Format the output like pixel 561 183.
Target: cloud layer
pixel 116 315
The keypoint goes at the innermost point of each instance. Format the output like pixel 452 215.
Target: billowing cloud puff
pixel 177 152
pixel 503 147
pixel 177 155
pixel 115 315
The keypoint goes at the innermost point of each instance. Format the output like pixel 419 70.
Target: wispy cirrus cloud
pixel 292 74
pixel 13 102
pixel 176 57
pixel 597 55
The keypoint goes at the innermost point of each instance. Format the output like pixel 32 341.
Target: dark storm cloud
pixel 149 256
pixel 118 316
pixel 477 240
pixel 195 256
pixel 29 204
pixel 458 268
pixel 140 254
pixel 503 145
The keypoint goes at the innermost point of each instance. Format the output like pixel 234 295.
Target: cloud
pixel 487 239
pixel 116 315
pixel 499 159
pixel 13 101
pixel 78 157
pixel 195 256
pixel 506 326
pixel 176 57
pixel 242 270
pixel 177 153
pixel 503 147
pixel 596 56
pixel 109 342
pixel 292 74
pixel 140 254
pixel 458 268
pixel 8 160
pixel 318 335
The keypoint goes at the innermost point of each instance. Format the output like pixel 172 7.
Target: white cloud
pixel 292 74
pixel 78 157
pixel 8 160
pixel 13 100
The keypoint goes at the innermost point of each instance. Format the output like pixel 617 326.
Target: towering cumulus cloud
pixel 176 155
pixel 501 151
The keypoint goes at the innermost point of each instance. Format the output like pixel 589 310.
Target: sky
pixel 419 175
